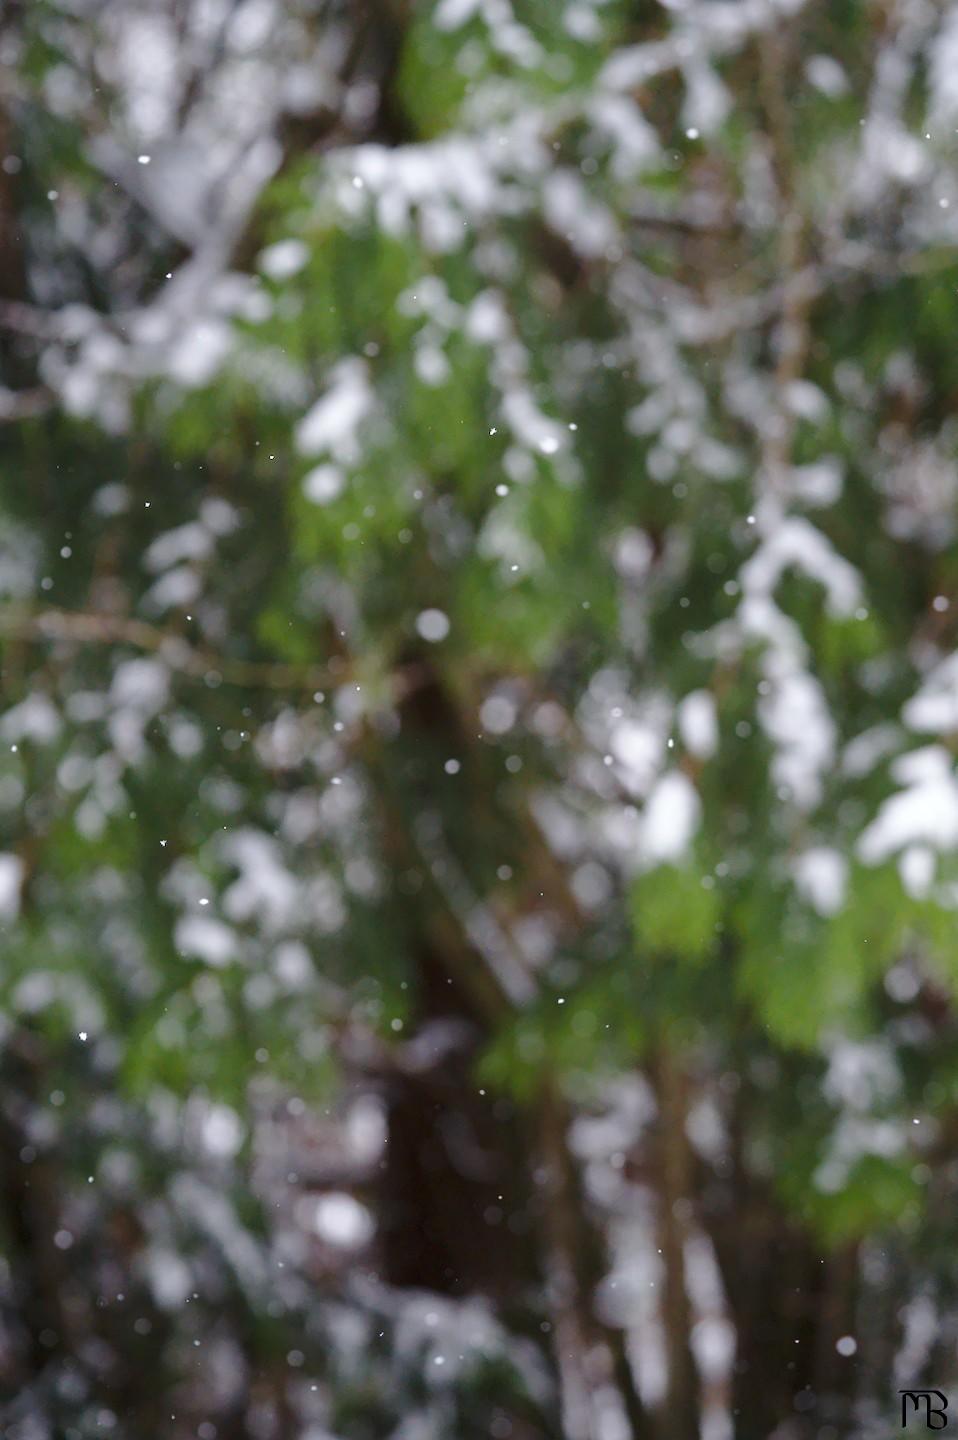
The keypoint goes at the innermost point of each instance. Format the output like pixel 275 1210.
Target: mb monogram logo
pixel 934 1402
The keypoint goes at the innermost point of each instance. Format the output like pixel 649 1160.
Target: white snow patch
pixel 638 747
pixel 796 542
pixel 796 719
pixel 331 425
pixel 924 811
pixel 11 881
pixel 916 866
pixel 187 542
pixel 497 713
pixel 821 875
pixel 698 723
pixel 935 707
pixel 633 554
pixel 177 588
pixel 451 14
pixel 432 625
pixel 142 685
pixel 827 76
pixel 265 888
pixel 340 1220
pixel 170 1278
pixel 670 819
pixel 205 938
pixel 35 718
pixel 222 1131
pixel 323 484
pixel 868 749
pixel 943 72
pixel 819 483
pixel 571 211
pixel 284 259
pixel 197 354
pixel 861 1074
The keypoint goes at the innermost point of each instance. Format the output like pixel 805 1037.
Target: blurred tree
pixel 478 811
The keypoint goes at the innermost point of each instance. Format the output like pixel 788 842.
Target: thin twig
pixel 199 663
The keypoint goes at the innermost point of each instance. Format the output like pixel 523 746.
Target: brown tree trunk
pixel 680 1416
pixel 594 1376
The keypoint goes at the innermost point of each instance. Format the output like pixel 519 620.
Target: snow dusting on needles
pixel 677 546
pixel 795 542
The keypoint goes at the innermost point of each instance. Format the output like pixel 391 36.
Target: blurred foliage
pixel 477 797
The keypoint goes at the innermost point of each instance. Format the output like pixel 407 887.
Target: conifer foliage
pixel 478 809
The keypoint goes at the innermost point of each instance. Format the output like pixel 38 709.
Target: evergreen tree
pixel 478 814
